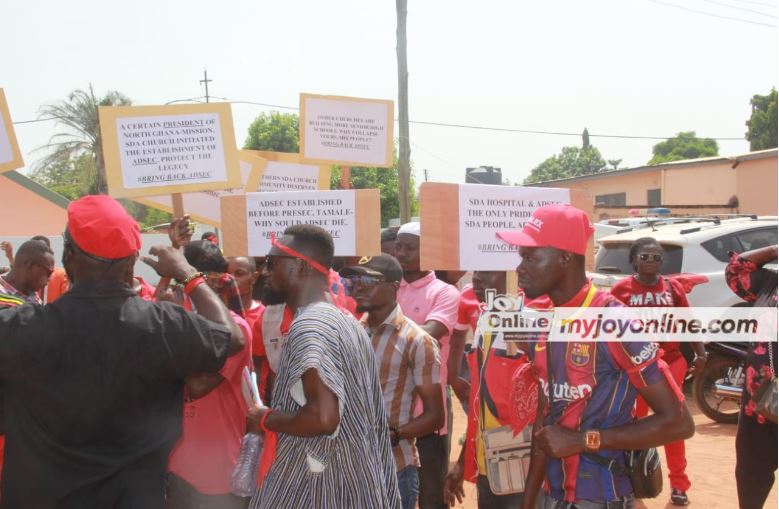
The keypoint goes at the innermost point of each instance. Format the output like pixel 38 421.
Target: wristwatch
pixel 394 436
pixel 591 441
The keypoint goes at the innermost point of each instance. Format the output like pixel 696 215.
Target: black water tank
pixel 483 175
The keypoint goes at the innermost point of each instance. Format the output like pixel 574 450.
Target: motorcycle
pixel 718 389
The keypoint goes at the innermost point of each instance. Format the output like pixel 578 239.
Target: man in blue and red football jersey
pixel 594 384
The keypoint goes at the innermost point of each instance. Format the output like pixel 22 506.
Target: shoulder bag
pixel 506 457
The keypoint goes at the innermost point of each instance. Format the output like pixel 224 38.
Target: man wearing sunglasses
pixel 327 413
pixel 408 360
pixel 30 272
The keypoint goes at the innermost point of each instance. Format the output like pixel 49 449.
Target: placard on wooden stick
pixel 459 222
pixel 205 206
pixel 10 156
pixel 352 218
pixel 347 131
pixel 287 172
pixel 154 150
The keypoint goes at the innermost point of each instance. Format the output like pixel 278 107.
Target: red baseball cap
pixel 100 226
pixel 561 226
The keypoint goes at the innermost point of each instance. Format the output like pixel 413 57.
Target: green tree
pixel 80 144
pixel 68 177
pixel 761 126
pixel 274 132
pixel 570 162
pixel 684 145
pixel 386 181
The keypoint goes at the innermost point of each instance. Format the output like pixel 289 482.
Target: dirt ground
pixel 711 463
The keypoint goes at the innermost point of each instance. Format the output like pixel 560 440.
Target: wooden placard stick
pixel 346 178
pixel 178 211
pixel 511 289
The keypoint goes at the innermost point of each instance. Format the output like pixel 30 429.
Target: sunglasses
pixel 645 257
pixel 365 281
pixel 272 260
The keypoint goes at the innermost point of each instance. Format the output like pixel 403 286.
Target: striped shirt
pixel 353 467
pixel 407 357
pixel 11 297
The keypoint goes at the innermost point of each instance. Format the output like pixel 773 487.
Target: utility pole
pixel 425 170
pixel 205 81
pixel 404 152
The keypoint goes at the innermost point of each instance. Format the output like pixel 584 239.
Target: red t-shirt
pixel 468 310
pixel 269 359
pixel 214 426
pixel 253 316
pixel 666 293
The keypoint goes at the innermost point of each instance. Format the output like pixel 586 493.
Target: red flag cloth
pixel 524 397
pixel 690 281
pixel 269 444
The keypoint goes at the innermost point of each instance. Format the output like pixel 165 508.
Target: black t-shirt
pixel 93 389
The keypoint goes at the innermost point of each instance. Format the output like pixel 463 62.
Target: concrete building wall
pixel 709 184
pixel 756 184
pixel 24 212
pixel 690 188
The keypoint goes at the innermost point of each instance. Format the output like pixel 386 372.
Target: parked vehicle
pixel 698 246
pixel 717 391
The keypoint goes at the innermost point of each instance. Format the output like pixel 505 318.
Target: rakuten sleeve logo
pixel 567 392
pixel 646 353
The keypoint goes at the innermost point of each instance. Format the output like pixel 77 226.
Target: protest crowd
pixel 121 392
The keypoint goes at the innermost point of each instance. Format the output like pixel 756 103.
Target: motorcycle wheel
pixel 716 408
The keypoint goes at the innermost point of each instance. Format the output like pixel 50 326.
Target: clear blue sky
pixel 625 67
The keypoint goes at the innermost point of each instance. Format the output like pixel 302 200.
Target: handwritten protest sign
pixel 287 172
pixel 347 131
pixel 152 150
pixel 10 156
pixel 459 222
pixel 352 218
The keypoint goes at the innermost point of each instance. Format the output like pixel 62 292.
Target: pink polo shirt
pixel 428 299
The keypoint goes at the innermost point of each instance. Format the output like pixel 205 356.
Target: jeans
pixel 628 502
pixel 488 500
pixel 408 484
pixel 179 494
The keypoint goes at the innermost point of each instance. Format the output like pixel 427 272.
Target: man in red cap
pixel 94 381
pixel 588 388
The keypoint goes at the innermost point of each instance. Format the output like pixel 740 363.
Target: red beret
pixel 100 226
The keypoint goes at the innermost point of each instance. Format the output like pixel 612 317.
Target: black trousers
pixel 488 500
pixel 179 494
pixel 434 461
pixel 755 461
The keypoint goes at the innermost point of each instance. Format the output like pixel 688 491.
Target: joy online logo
pixel 507 314
pixel 567 392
